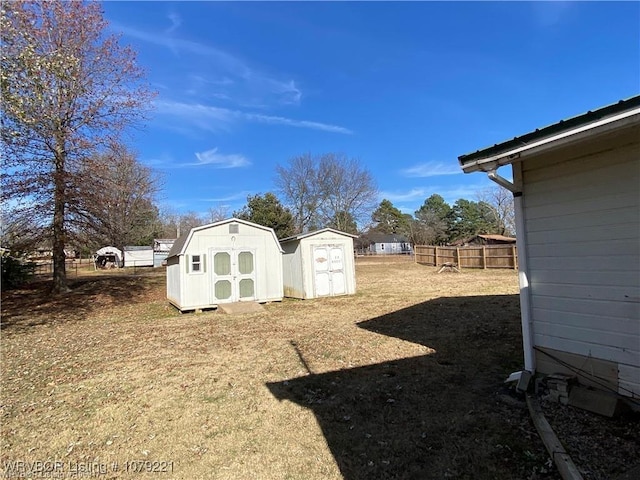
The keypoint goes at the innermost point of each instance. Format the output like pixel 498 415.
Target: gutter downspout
pixel 515 187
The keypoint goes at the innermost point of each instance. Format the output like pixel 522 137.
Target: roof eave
pixel 599 127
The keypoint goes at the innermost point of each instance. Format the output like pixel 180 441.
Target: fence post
pixel 436 255
pixel 458 257
pixel 515 257
pixel 484 257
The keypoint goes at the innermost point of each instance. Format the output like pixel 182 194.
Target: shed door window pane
pixel 245 263
pixel 223 289
pixel 246 288
pixel 195 263
pixel 222 264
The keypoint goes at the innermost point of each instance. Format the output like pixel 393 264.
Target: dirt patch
pixel 402 380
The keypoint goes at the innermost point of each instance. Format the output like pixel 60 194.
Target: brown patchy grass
pixel 402 380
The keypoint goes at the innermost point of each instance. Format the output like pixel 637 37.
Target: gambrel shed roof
pixel 181 243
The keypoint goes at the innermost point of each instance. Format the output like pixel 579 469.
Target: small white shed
pixel 575 186
pixel 138 256
pixel 224 262
pixel 318 264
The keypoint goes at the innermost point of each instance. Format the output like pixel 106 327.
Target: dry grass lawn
pixel 402 380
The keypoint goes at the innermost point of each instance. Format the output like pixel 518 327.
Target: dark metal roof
pixel 375 237
pixel 554 129
pixel 176 248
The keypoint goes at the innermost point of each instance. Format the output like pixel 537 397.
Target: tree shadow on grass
pixel 441 415
pixel 34 304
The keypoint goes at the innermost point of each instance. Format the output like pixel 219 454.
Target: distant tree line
pixel 438 223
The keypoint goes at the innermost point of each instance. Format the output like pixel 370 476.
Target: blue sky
pixel 405 87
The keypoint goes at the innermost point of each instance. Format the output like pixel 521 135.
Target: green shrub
pixel 15 272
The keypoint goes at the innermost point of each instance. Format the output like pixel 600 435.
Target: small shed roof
pixel 300 236
pixel 181 243
pixel 108 250
pixel 501 238
pixel 510 150
pixel 133 248
pixel 492 237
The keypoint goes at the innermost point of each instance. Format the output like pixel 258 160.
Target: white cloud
pixel 175 20
pixel 548 14
pixel 210 118
pixel 413 194
pixel 218 160
pixel 420 194
pixel 432 169
pixel 269 119
pixel 230 198
pixel 247 84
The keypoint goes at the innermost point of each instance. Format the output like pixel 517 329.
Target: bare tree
pixel 501 202
pixel 68 89
pixel 298 183
pixel 329 189
pixel 187 221
pixel 219 213
pixel 120 208
pixel 349 191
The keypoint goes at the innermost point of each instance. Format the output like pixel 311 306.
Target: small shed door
pixel 329 270
pixel 322 273
pixel 233 275
pixel 337 271
pixel 245 274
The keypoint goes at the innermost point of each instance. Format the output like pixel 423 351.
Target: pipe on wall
pixel 515 187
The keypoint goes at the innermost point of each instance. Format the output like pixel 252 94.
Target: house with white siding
pixel 224 262
pixel 576 187
pixel 384 244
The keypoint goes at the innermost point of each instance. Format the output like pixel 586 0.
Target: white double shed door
pixel 233 275
pixel 328 274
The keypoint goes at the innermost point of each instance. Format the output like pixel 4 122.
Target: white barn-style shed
pixel 319 264
pixel 576 190
pixel 229 261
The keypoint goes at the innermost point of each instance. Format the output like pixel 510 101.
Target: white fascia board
pixel 570 136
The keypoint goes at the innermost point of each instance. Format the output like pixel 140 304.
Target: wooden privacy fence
pixel 480 256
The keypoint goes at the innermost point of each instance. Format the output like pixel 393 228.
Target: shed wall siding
pixel 173 280
pixel 293 278
pixel 582 227
pixel 138 258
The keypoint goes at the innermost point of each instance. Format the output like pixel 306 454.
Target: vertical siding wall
pixel 293 270
pixel 173 280
pixel 583 223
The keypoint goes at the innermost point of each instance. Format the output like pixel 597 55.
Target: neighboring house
pixel 46 253
pixel 485 240
pixel 577 205
pixel 161 248
pixel 318 264
pixel 385 244
pixel 138 256
pixel 223 262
